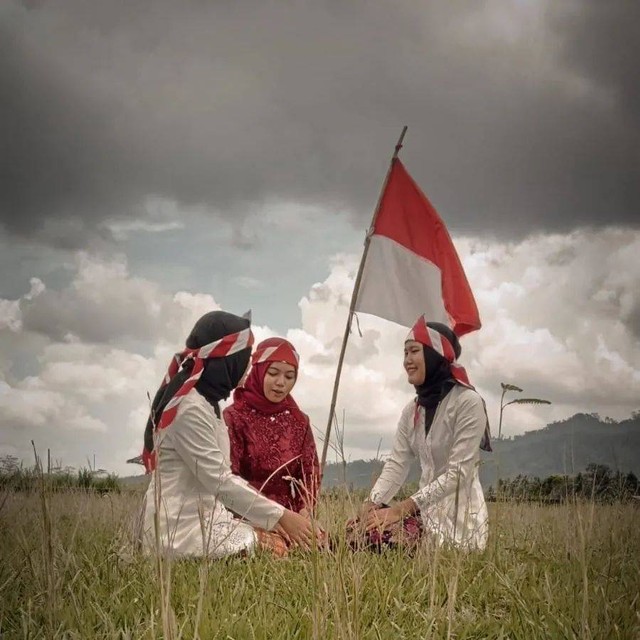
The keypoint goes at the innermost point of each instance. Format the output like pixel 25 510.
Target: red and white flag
pixel 412 267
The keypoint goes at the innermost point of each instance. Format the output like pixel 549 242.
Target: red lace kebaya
pixel 272 444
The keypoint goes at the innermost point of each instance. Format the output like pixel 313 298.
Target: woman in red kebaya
pixel 272 445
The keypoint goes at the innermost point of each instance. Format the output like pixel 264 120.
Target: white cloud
pixel 547 328
pixel 10 315
pixel 158 215
pixel 559 313
pixel 11 310
pixel 105 304
pixel 33 405
pixel 90 377
pixel 580 291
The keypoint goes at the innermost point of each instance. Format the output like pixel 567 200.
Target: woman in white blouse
pixel 193 496
pixel 444 427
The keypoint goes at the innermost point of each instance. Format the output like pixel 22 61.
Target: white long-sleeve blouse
pixel 198 492
pixel 450 497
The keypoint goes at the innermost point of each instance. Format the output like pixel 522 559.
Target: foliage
pixel 15 477
pixel 565 448
pixel 527 401
pixel 597 483
pixel 561 448
pixel 510 387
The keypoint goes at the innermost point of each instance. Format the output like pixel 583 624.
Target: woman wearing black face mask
pixel 193 495
pixel 444 427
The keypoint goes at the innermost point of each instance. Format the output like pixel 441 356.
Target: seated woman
pixel 193 495
pixel 272 444
pixel 444 427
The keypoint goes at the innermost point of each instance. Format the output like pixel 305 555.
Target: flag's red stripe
pixel 407 217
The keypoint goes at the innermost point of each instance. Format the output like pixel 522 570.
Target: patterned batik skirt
pixel 406 533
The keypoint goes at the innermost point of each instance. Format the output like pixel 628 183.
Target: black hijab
pixel 438 380
pixel 220 375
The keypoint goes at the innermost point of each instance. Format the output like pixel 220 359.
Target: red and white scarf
pixel 433 339
pixel 429 337
pixel 221 348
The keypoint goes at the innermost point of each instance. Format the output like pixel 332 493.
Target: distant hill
pixel 562 447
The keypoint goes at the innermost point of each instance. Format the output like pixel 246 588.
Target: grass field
pixel 67 570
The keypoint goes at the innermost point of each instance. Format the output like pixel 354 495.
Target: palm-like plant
pixel 512 387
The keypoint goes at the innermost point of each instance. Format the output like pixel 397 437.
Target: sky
pixel 160 160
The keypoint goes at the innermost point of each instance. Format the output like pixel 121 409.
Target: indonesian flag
pixel 412 267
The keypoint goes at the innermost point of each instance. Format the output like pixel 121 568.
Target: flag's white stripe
pixel 400 285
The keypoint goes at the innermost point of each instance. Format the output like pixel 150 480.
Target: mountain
pixel 564 447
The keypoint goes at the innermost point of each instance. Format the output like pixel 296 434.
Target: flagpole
pixel 354 297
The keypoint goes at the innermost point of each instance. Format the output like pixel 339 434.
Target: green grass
pixel 67 570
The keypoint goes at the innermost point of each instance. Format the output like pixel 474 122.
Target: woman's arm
pixel 396 468
pixel 196 436
pixel 468 429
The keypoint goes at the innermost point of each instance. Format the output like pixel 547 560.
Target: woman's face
pixel 414 362
pixel 278 381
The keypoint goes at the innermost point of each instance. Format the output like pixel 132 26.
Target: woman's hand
pixel 321 534
pixel 366 508
pixel 297 529
pixel 360 519
pixel 382 518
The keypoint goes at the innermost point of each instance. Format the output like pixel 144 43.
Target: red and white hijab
pixel 222 348
pixel 431 338
pixel 269 351
pixel 276 350
pixel 187 368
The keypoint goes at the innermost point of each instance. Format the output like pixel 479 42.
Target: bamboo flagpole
pixel 354 297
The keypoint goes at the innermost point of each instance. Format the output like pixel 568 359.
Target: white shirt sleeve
pixel 197 440
pixel 468 429
pixel 397 466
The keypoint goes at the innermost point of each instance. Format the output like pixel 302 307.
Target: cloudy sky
pixel 163 159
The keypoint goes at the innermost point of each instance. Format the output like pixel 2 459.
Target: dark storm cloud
pixel 60 162
pixel 522 117
pixel 602 40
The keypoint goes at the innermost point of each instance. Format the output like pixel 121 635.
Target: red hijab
pixel 252 393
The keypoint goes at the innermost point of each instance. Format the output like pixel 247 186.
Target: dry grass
pixel 68 570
